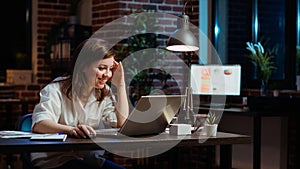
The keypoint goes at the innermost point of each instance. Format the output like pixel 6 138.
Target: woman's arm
pixel 122 103
pixel 49 126
pixel 47 113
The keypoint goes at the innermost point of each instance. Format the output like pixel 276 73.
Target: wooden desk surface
pixel 125 143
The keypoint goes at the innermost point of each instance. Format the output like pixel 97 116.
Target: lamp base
pixel 186 117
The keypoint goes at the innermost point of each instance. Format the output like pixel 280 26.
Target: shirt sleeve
pixel 49 106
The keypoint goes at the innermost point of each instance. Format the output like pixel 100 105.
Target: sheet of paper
pixel 48 137
pixel 15 134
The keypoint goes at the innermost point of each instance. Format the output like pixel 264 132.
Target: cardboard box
pixel 14 76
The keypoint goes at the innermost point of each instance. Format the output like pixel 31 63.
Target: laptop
pixel 151 116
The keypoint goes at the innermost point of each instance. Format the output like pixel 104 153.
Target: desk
pixel 8 103
pixel 224 140
pixel 261 107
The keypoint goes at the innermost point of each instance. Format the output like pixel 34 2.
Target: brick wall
pixel 53 12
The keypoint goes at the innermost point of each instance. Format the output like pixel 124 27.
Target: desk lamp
pixel 183 40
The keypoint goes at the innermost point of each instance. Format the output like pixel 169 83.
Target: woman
pixel 80 102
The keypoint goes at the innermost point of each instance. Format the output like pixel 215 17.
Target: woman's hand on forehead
pixel 118 74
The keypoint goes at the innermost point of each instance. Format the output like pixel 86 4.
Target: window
pixel 16 53
pixel 255 21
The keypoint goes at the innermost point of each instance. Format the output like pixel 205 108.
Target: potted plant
pixel 263 61
pixel 211 125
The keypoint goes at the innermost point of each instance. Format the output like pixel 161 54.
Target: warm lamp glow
pixel 182 48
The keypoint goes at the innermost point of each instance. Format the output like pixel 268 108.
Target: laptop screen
pixel 152 114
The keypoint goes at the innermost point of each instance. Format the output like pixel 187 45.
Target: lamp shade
pixel 182 39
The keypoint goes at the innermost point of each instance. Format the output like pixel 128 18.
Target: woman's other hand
pixel 82 131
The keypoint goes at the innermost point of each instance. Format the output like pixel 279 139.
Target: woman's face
pixel 104 72
pixel 100 72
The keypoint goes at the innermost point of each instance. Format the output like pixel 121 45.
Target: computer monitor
pixel 215 79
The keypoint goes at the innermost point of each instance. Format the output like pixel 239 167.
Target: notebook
pixel 151 116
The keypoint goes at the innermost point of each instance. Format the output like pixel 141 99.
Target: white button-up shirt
pixel 54 105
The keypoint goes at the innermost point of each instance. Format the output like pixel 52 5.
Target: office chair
pixel 24 124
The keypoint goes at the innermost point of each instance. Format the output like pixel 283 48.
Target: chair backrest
pixel 25 123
